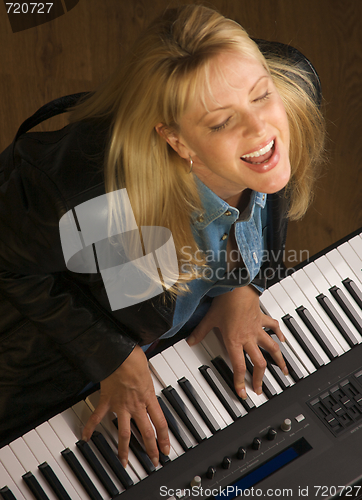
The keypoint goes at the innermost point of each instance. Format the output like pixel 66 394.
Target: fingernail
pixel 124 462
pixel 166 450
pixel 154 461
pixel 285 370
pixel 191 340
pixel 242 394
pixel 259 390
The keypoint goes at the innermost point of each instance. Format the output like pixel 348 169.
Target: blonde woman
pixel 212 141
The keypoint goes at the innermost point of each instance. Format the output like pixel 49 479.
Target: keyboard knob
pixel 196 482
pixel 286 425
pixel 211 471
pixel 272 433
pixel 256 444
pixel 226 463
pixel 241 454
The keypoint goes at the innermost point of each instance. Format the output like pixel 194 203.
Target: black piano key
pixel 347 308
pixel 174 427
pixel 34 486
pixel 198 403
pixel 336 318
pixel 139 452
pixel 223 368
pixel 267 387
pixel 184 413
pixel 53 481
pixel 164 459
pixel 6 494
pixel 97 467
pixel 292 366
pixel 111 458
pixel 317 332
pixel 353 290
pixel 303 340
pixel 81 474
pixel 218 389
pixel 274 370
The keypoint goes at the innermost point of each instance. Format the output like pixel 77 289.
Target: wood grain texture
pixel 78 50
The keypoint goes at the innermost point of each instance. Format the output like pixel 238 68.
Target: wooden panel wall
pixel 76 51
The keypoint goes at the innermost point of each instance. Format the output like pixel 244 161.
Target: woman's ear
pixel 173 139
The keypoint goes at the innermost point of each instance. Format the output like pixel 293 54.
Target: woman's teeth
pixel 261 152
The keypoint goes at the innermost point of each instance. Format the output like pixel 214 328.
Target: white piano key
pixel 55 446
pixel 14 469
pixel 299 298
pixel 271 307
pixel 288 307
pixel 134 468
pixel 190 359
pixel 356 244
pixel 215 346
pixel 167 377
pixel 175 445
pixel 61 426
pixel 333 279
pixel 42 454
pixel 354 261
pixel 7 480
pixel 179 368
pixel 342 267
pixel 322 286
pixel 30 464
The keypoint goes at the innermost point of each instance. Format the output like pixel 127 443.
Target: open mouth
pixel 261 156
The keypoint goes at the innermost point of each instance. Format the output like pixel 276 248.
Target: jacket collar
pixel 214 207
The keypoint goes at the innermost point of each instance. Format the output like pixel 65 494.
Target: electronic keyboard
pixel 302 437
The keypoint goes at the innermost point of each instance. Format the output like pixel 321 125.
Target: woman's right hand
pixel 129 393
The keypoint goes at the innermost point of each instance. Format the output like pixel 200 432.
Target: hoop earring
pixel 191 163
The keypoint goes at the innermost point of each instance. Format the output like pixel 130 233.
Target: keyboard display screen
pixel 283 458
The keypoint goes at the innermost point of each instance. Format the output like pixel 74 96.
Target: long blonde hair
pixel 163 73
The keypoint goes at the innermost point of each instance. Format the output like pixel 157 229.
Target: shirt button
pixel 224 236
pixel 200 218
pixel 227 212
pixel 263 197
pixel 255 257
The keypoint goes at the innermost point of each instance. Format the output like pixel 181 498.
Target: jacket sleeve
pixel 34 278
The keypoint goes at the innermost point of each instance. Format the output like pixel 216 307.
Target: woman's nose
pixel 253 124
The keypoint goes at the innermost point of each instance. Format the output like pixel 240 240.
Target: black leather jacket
pixel 57 330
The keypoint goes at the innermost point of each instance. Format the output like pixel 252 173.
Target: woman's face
pixel 241 139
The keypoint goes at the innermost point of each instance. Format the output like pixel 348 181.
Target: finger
pixel 124 436
pixel 267 343
pixel 259 363
pixel 96 417
pixel 148 436
pixel 200 332
pixel 238 363
pixel 273 324
pixel 161 427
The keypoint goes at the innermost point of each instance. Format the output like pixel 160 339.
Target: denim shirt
pixel 211 229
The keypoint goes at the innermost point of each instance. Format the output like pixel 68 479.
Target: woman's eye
pixel 220 127
pixel 264 97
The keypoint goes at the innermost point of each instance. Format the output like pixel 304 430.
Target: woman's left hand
pixel 238 316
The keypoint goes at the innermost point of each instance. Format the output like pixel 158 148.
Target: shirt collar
pixel 214 207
